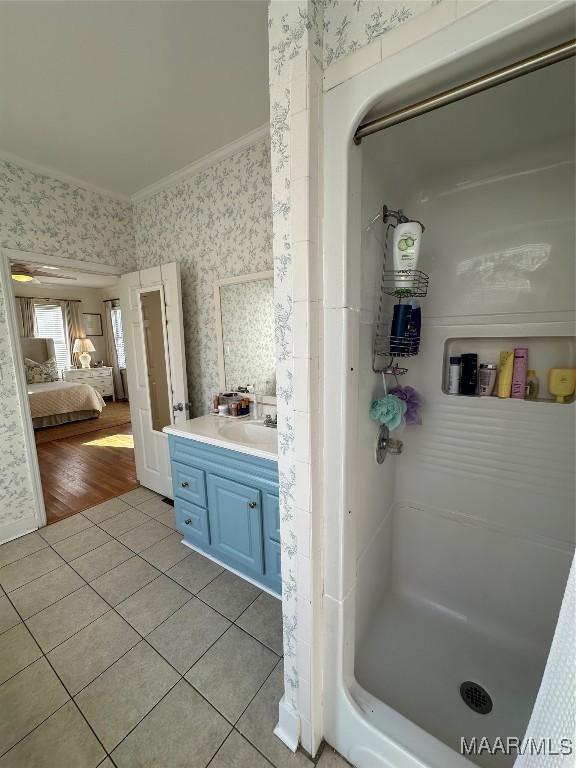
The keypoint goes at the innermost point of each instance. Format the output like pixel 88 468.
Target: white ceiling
pixel 121 94
pixel 63 278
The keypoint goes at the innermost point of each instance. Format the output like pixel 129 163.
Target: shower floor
pixel 415 656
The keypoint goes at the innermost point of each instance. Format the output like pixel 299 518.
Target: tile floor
pixel 121 647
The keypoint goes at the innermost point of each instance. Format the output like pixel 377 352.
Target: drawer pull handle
pixel 184 483
pixel 252 505
pixel 188 522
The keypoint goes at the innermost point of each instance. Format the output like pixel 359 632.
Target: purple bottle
pixel 519 373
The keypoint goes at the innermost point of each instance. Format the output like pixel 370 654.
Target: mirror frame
pixel 218 283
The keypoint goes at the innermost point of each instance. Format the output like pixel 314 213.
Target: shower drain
pixel 476 697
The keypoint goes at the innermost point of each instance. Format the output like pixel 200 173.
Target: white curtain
pixel 554 713
pixel 111 349
pixel 74 327
pixel 26 317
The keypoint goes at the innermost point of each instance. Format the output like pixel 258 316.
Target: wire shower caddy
pixel 400 284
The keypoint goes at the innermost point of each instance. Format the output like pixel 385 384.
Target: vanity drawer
pixel 189 483
pixel 236 524
pixel 271 516
pixel 192 522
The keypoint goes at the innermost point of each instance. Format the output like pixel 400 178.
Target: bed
pixel 58 402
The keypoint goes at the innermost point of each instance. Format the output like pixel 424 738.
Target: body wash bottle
pixel 406 250
pixel 519 373
pixel 505 374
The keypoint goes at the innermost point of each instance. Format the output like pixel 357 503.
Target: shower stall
pixel 447 563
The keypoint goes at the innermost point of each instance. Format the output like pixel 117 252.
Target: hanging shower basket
pixel 402 284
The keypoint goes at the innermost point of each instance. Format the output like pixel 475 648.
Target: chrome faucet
pixel 271 421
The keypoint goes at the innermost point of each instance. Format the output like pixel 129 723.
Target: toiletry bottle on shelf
pixel 532 385
pixel 519 373
pixel 454 375
pixel 215 403
pixel 505 372
pixel 486 379
pixel 469 374
pixel 561 383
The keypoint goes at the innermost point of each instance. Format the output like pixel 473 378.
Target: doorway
pixel 70 336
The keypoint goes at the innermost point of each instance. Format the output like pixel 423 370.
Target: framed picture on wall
pixel 92 324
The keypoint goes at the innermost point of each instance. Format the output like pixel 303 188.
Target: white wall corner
pixel 288 726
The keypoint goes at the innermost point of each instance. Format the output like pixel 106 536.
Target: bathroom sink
pixel 249 432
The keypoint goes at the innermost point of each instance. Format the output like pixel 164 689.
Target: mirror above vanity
pixel 245 334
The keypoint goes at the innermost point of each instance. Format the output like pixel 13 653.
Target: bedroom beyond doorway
pixel 69 324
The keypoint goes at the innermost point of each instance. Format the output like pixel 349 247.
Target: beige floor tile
pixel 138 496
pixel 166 553
pixel 124 580
pixel 183 731
pixel 232 671
pixel 61 620
pixel 331 759
pixel 236 752
pixel 8 616
pixel 100 560
pixel 46 590
pixel 26 700
pixel 107 509
pixel 187 634
pixel 122 695
pixel 17 650
pixel 263 620
pixel 19 548
pixel 64 740
pixel 63 529
pixel 153 604
pixel 125 521
pixel 154 507
pixel 195 572
pixel 144 536
pixel 85 541
pixel 89 652
pixel 29 568
pixel 229 594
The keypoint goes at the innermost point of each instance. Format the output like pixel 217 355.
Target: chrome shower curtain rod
pixel 483 83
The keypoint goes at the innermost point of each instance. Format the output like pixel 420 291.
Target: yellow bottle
pixel 505 374
pixel 561 383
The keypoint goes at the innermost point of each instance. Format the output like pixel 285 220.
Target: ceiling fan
pixel 25 273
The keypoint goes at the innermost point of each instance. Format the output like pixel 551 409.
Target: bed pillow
pixel 41 373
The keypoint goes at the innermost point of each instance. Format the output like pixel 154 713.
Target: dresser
pixel 99 378
pixel 226 506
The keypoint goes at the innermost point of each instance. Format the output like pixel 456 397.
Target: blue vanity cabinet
pixel 226 506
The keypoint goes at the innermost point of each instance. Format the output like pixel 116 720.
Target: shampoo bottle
pixel 407 239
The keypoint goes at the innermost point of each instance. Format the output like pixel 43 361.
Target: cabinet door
pixel 235 517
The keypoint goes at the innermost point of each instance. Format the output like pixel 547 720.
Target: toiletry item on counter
pixel 505 374
pixel 469 374
pixel 561 383
pixel 223 409
pixel 407 240
pixel 532 385
pixel 486 379
pixel 215 403
pixel 520 369
pixel 414 326
pixel 399 330
pixel 234 408
pixel 454 375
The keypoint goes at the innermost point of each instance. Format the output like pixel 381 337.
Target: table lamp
pixel 84 346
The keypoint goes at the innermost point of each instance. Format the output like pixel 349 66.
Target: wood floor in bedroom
pixel 84 470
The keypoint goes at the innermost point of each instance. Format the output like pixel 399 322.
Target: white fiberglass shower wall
pixel 452 558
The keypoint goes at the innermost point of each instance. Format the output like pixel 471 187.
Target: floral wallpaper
pixel 46 215
pixel 352 24
pixel 247 311
pixel 216 224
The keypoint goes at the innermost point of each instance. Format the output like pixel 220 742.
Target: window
pixel 50 325
pixel 118 336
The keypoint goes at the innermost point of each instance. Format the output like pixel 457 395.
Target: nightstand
pixel 99 378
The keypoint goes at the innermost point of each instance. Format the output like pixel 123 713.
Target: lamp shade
pixel 83 345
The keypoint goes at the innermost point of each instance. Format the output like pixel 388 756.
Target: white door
pixel 151 302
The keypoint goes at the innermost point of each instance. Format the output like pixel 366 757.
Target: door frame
pixel 6 256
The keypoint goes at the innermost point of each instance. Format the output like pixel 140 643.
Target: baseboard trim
pixel 17 528
pixel 288 726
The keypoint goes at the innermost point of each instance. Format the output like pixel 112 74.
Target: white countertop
pixel 244 435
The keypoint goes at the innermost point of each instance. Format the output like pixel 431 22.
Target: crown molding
pixel 45 170
pixel 204 162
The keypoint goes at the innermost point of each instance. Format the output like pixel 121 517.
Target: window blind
pixel 50 325
pixel 118 336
